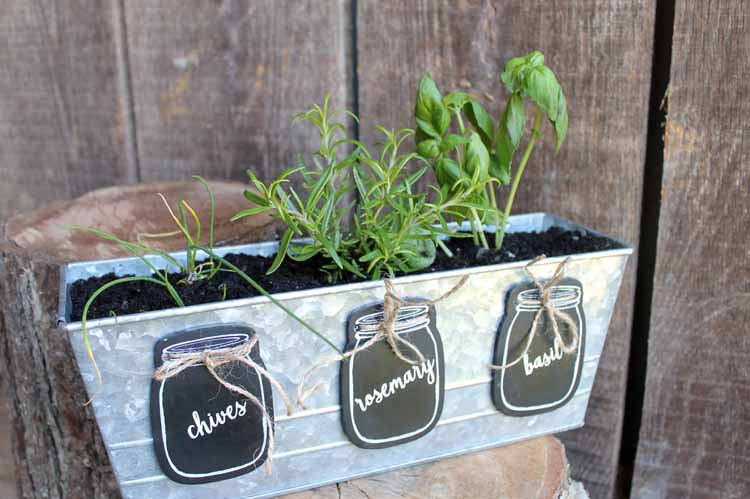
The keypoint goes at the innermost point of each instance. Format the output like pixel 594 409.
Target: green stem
pixel 95 295
pixel 265 293
pixel 495 216
pixel 519 173
pixel 479 228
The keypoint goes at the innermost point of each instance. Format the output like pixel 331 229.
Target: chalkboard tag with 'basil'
pixel 546 378
pixel 386 401
pixel 202 431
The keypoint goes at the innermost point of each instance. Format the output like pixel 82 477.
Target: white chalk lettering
pixel 543 360
pixel 202 428
pixel 425 370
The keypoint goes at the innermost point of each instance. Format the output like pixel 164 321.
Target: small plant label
pixel 202 431
pixel 546 377
pixel 386 401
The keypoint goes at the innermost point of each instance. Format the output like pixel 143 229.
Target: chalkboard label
pixel 202 431
pixel 384 400
pixel 546 378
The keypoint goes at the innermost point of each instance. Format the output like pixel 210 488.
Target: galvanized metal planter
pixel 311 446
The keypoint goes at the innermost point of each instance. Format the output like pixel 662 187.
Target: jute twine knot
pixel 214 360
pixel 553 314
pixel 392 303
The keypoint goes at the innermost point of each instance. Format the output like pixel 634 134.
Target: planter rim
pixel 66 276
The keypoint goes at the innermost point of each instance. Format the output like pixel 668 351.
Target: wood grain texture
pixel 601 49
pixel 127 211
pixel 63 108
pixel 216 84
pixel 534 469
pixel 696 417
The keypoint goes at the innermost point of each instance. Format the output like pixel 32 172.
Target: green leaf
pixel 253 197
pixel 250 212
pixel 419 252
pixel 481 121
pixel 370 255
pixel 283 246
pixel 542 87
pixel 477 159
pixel 451 142
pixel 428 148
pixel 561 123
pixel 431 115
pixel 512 75
pixel 499 170
pixel 509 132
pixel 534 59
pixel 456 100
pixel 447 171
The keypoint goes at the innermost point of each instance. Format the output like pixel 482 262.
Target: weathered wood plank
pixel 216 83
pixel 602 51
pixel 693 440
pixel 63 104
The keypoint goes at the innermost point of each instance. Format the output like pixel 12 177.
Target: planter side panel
pixel 467 321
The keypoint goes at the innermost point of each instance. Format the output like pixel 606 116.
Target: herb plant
pixel 361 211
pixel 194 269
pixel 484 153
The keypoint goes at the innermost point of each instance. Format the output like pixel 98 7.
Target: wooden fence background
pixel 99 93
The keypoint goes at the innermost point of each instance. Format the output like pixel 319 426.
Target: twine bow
pixel 553 314
pixel 213 360
pixel 392 303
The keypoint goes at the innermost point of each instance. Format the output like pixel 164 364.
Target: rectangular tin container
pixel 311 447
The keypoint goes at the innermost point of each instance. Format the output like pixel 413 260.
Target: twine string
pixel 214 360
pixel 553 314
pixel 392 303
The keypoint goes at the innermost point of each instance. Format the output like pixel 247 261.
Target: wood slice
pixel 127 211
pixel 534 469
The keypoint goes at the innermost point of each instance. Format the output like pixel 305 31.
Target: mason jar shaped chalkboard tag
pixel 385 400
pixel 544 377
pixel 203 432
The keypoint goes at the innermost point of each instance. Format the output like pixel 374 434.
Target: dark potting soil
pixel 139 296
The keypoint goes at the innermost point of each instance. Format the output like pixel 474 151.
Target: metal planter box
pixel 311 446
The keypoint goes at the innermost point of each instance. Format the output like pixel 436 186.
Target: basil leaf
pixel 481 121
pixel 498 170
pixel 561 122
pixel 451 142
pixel 542 87
pixel 512 75
pixel 477 159
pixel 429 148
pixel 535 59
pixel 509 132
pixel 431 114
pixel 456 100
pixel 447 171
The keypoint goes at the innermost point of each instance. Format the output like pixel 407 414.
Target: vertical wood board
pixel 601 50
pixel 216 84
pixel 64 113
pixel 696 418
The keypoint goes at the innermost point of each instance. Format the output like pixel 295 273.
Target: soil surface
pixel 139 296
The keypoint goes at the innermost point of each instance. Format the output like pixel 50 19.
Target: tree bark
pixel 57 447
